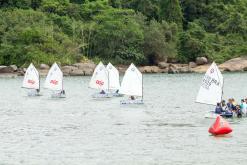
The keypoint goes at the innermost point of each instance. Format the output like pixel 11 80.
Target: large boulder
pixel 44 67
pixel 201 60
pixel 192 65
pixel 6 69
pixel 14 67
pixel 234 65
pixel 163 65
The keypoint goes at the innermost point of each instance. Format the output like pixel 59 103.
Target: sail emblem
pixel 31 82
pixel 212 70
pixel 55 82
pixel 133 69
pixel 101 83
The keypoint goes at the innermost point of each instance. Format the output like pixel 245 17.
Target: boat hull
pixel 98 95
pixel 126 102
pixel 58 95
pixel 212 115
pixel 33 93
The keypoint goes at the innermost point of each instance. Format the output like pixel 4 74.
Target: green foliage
pixel 160 41
pixel 123 31
pixel 34 38
pixel 171 12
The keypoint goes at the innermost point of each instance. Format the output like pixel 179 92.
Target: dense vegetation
pixel 123 31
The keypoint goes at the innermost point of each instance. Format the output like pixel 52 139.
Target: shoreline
pixel 87 68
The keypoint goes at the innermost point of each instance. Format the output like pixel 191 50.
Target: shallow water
pixel 169 129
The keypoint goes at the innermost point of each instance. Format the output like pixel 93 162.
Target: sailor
pixel 238 111
pixel 102 92
pixel 132 98
pixel 218 109
pixel 243 106
pixel 230 106
pixel 223 105
pixel 62 92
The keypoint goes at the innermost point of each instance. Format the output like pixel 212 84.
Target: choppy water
pixel 169 129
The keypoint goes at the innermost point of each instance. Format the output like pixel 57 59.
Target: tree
pixel 170 11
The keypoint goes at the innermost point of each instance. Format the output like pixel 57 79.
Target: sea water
pixel 169 128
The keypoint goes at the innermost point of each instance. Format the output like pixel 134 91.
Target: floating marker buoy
pixel 220 127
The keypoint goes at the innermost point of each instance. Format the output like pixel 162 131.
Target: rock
pixel 88 72
pixel 8 75
pixel 201 68
pixel 172 69
pixel 234 65
pixel 201 60
pixel 163 65
pixel 14 67
pixel 20 73
pixel 149 69
pixel 184 69
pixel 43 72
pixel 192 65
pixel 68 69
pixel 6 69
pixel 85 65
pixel 76 72
pixel 44 67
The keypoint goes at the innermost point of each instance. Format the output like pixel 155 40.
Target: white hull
pixel 117 95
pixel 33 93
pixel 106 95
pixel 211 115
pixel 58 95
pixel 125 102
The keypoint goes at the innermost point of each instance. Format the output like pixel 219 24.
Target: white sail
pixel 211 89
pixel 113 77
pixel 54 79
pixel 100 78
pixel 132 82
pixel 31 78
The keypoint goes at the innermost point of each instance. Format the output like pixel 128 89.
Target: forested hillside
pixel 122 31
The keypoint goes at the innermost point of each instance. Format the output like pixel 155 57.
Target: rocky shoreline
pixel 86 68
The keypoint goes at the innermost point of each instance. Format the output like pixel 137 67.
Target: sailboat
pixel 211 90
pixel 132 85
pixel 100 81
pixel 31 81
pixel 114 84
pixel 54 81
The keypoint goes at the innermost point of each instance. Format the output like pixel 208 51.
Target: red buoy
pixel 220 127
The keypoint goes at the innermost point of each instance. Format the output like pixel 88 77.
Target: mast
pixel 39 83
pixel 108 75
pixel 142 87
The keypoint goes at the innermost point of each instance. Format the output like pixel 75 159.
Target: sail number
pixel 99 82
pixel 55 82
pixel 31 82
pixel 208 81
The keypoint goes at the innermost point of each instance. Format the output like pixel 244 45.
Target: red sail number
pixel 31 82
pixel 55 82
pixel 99 82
